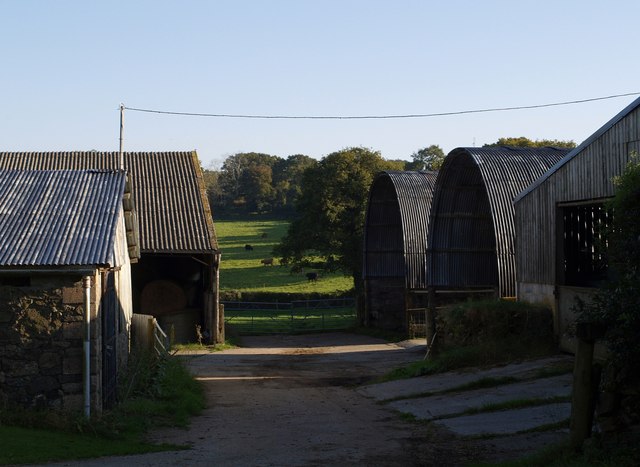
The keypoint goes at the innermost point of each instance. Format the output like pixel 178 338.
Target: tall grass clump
pixel 157 391
pixel 485 332
pixel 499 329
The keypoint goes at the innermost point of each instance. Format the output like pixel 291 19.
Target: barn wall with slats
pixel 471 231
pixel 395 244
pixel 584 174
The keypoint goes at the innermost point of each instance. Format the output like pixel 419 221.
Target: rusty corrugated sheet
pixel 472 233
pixel 173 211
pixel 59 218
pixel 397 226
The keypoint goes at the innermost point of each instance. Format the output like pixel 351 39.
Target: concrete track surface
pixel 308 401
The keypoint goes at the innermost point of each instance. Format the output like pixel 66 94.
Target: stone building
pixel 176 279
pixel 68 240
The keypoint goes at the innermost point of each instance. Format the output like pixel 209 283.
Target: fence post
pixel 221 329
pixel 584 384
pixel 150 333
pixel 430 321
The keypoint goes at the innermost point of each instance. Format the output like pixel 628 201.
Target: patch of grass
pixel 557 369
pixel 515 404
pixel 487 382
pixel 621 450
pixel 155 393
pixel 194 346
pixel 485 353
pixel 241 270
pixel 29 445
pixel 290 322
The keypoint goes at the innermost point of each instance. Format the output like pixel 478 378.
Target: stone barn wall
pixel 386 303
pixel 41 345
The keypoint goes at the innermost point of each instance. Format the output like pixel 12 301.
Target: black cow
pixel 248 247
pixel 312 276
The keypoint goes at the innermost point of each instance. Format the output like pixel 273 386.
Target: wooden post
pixel 430 321
pixel 150 328
pixel 221 333
pixel 584 394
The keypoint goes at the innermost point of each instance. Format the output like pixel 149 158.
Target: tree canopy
pixel 523 142
pixel 256 182
pixel 331 209
pixel 429 158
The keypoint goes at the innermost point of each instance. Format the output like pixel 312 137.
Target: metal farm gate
pixel 253 318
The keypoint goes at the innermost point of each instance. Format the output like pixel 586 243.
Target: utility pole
pixel 120 153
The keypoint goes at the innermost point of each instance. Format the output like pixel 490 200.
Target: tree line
pixel 253 182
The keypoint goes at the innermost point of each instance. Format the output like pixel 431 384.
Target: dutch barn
pixel 395 247
pixel 65 286
pixel 176 278
pixel 558 219
pixel 471 231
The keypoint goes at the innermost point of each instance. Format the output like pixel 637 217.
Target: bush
pixel 617 304
pixel 479 322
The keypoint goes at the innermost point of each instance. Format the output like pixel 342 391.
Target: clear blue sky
pixel 67 65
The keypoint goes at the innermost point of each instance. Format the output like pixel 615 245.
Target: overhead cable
pixel 378 117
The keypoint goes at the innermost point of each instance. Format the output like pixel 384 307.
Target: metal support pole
pixel 120 152
pixel 86 283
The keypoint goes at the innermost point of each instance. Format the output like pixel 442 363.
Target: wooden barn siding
pixel 587 176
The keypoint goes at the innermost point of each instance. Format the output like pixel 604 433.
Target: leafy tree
pixel 256 188
pixel 331 210
pixel 524 142
pixel 429 158
pixel 287 179
pixel 244 178
pixel 214 191
pixel 617 304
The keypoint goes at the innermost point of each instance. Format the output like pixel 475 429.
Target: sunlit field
pixel 241 269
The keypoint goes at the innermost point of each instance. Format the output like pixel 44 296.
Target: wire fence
pixel 253 318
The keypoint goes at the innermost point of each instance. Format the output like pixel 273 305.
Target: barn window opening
pixel 584 229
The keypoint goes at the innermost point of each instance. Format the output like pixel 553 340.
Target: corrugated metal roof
pixel 397 226
pixel 59 218
pixel 471 233
pixel 573 153
pixel 173 210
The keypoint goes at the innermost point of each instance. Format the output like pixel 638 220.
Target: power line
pixel 377 117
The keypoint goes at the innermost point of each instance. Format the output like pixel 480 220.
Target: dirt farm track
pixel 292 401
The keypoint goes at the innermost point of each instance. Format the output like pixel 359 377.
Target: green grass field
pixel 250 322
pixel 242 270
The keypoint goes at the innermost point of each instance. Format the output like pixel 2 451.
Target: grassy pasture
pixel 242 270
pixel 251 322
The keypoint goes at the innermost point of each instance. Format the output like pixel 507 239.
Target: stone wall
pixel 385 302
pixel 41 351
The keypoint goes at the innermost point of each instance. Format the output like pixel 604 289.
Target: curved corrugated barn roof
pixel 472 233
pixel 173 210
pixel 396 227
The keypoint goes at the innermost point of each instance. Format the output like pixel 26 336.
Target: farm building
pixel 471 230
pixel 176 278
pixel 395 248
pixel 65 286
pixel 558 218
